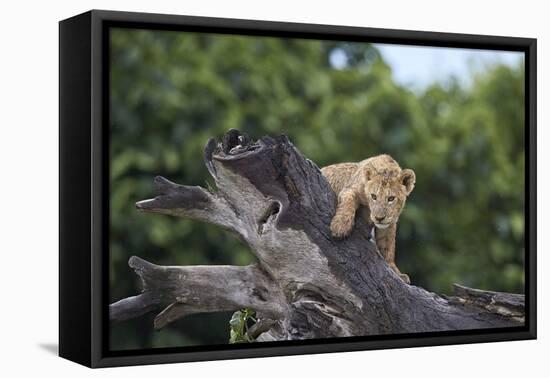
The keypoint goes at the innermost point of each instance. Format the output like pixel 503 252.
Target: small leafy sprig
pixel 239 324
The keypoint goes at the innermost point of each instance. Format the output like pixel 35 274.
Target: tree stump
pixel 305 284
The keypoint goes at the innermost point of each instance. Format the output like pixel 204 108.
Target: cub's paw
pixel 341 227
pixel 405 278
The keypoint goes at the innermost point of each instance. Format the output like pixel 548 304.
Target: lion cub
pixel 379 188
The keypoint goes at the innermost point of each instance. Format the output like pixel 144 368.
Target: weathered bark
pixel 305 284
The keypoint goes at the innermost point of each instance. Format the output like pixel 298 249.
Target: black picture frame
pixel 84 191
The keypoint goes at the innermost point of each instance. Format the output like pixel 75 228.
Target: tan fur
pixel 377 187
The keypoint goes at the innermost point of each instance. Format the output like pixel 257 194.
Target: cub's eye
pixel 391 198
pixel 373 196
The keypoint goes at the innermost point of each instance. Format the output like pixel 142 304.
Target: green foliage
pixel 239 324
pixel 171 91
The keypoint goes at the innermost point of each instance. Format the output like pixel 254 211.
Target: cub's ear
pixel 408 178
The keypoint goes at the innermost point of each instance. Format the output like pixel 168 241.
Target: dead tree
pixel 305 284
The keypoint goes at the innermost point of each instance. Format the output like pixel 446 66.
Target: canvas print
pixel 266 190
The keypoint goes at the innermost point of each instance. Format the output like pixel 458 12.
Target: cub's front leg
pixel 343 221
pixel 385 241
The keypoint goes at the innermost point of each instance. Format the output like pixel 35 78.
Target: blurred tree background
pixel 171 91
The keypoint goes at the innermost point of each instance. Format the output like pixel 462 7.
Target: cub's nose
pixel 380 219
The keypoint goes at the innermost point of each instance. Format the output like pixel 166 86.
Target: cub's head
pixel 386 192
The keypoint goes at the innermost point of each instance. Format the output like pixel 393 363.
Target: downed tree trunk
pixel 305 284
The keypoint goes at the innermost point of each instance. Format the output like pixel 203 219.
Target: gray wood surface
pixel 305 284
